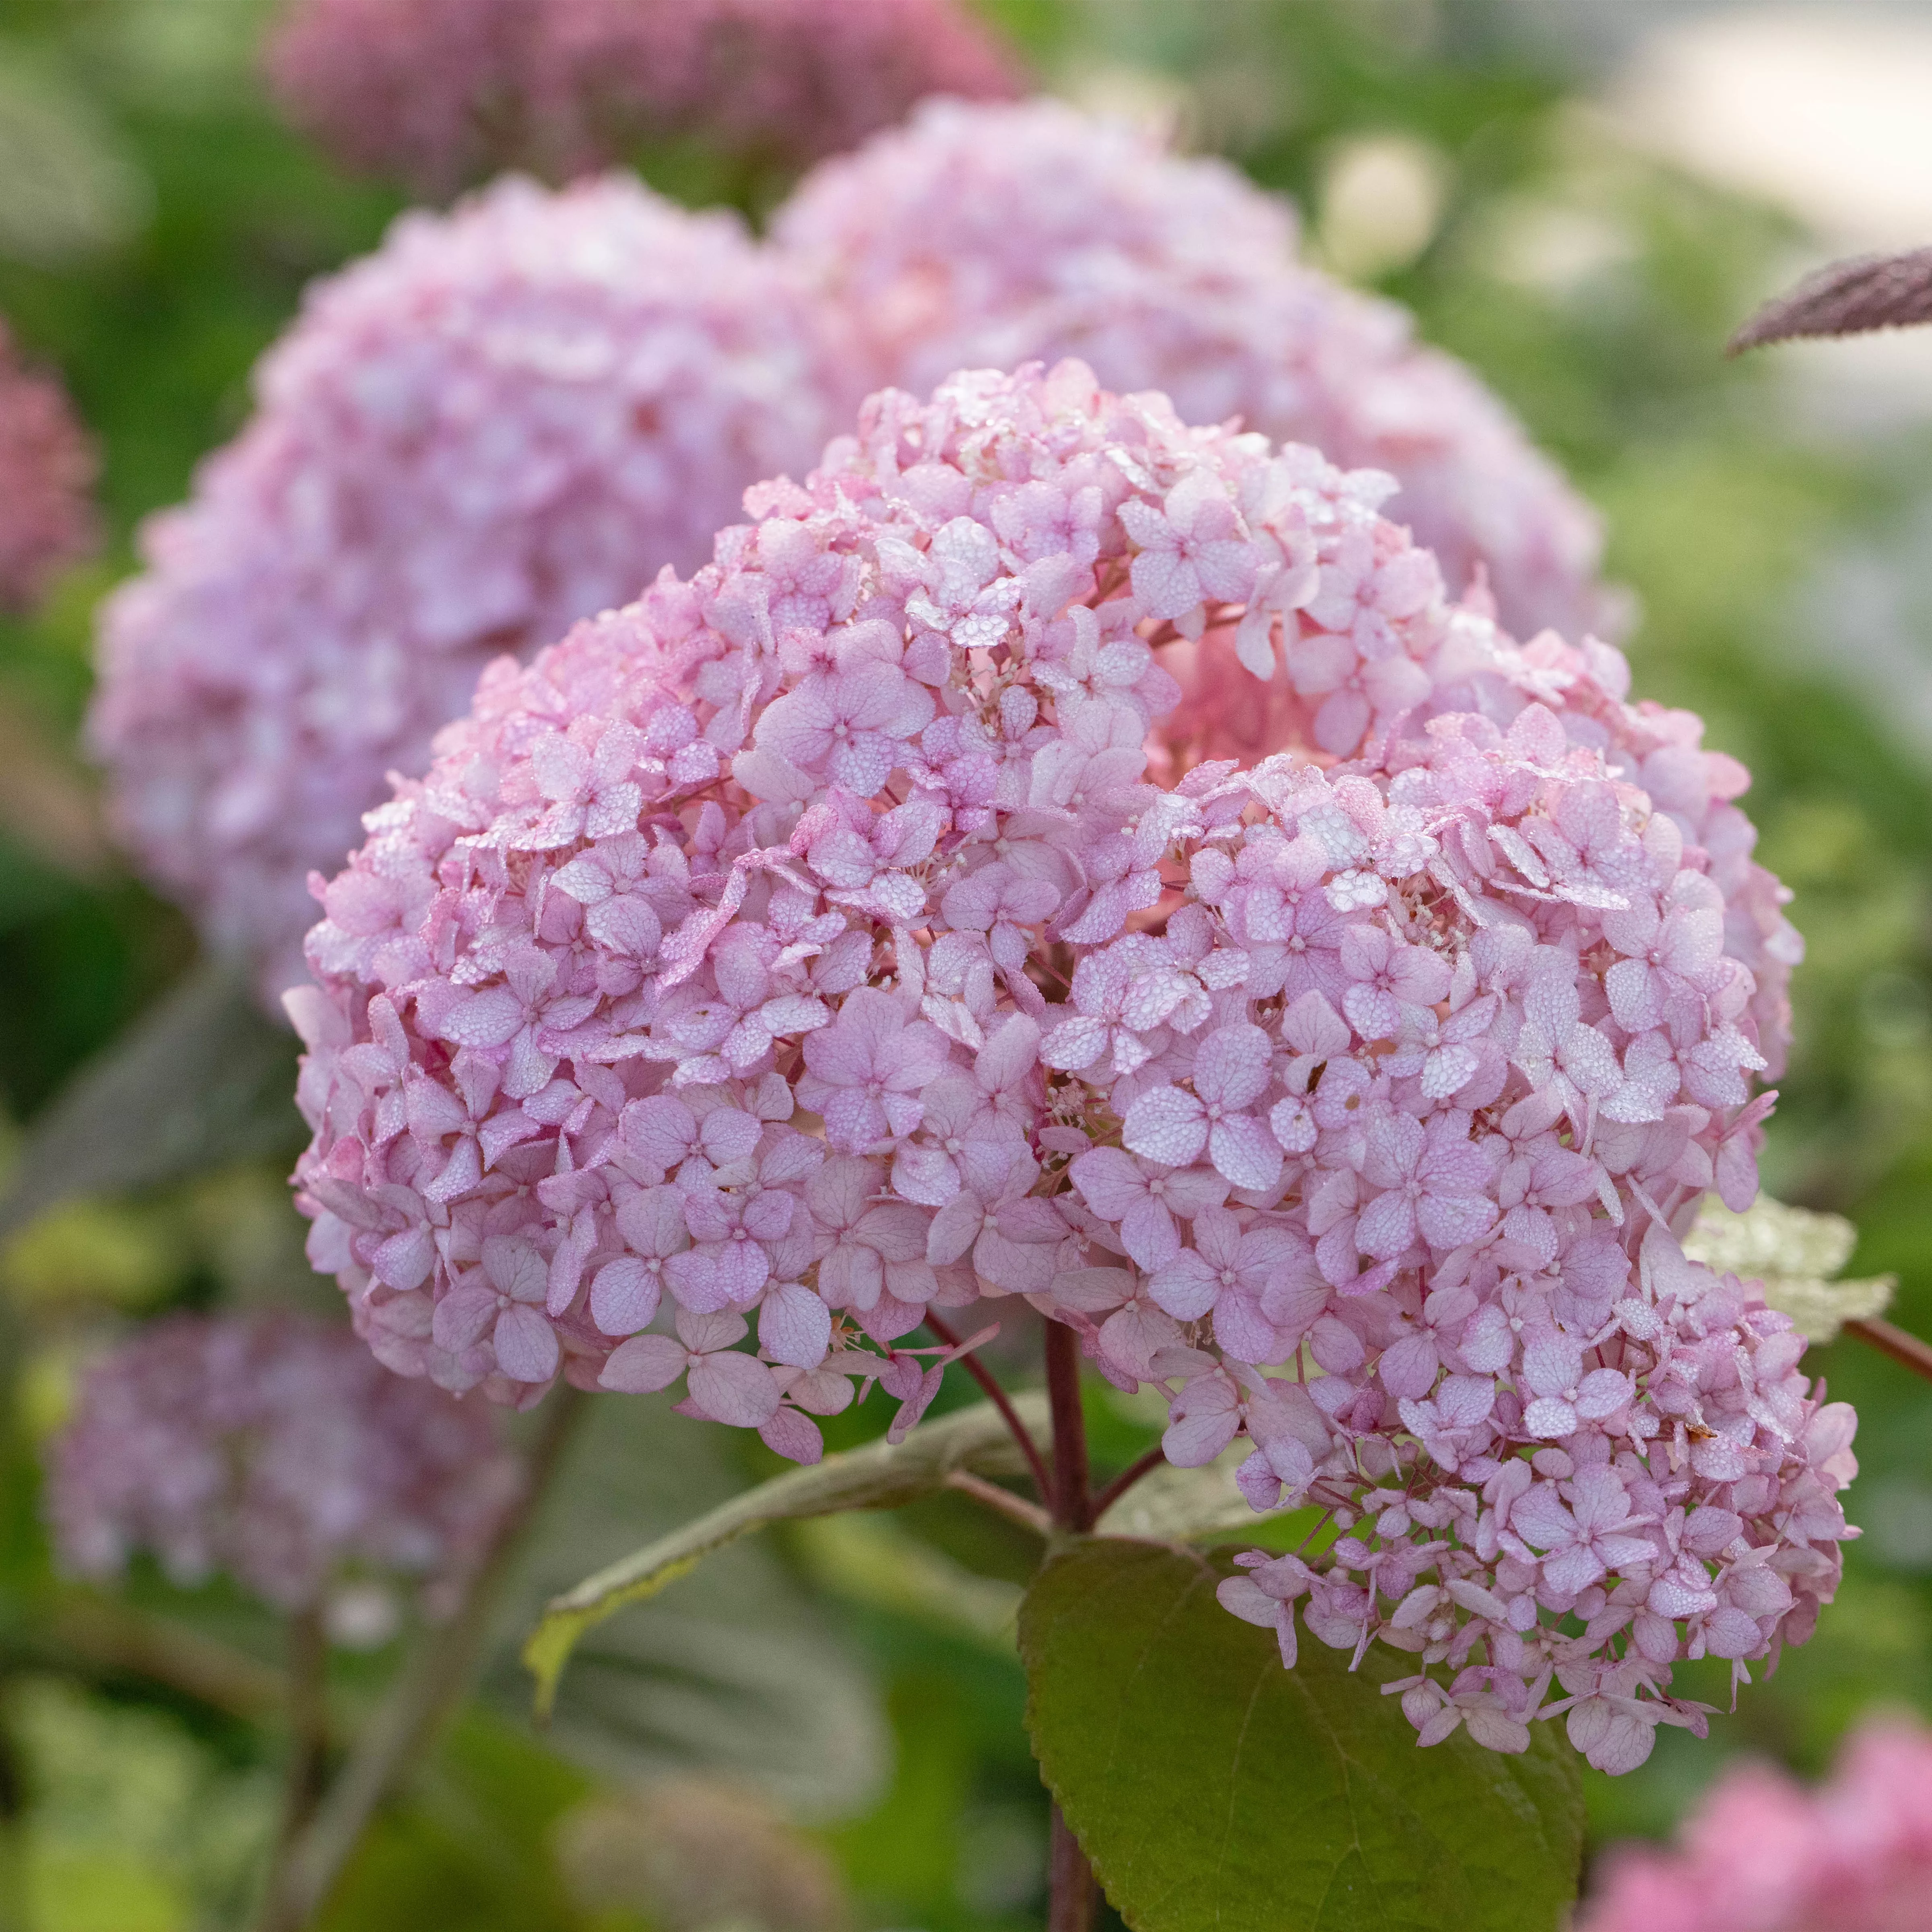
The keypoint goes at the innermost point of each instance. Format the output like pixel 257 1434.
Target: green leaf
pixel 205 1078
pixel 1211 1788
pixel 1796 1253
pixel 1174 1505
pixel 881 1475
pixel 736 1674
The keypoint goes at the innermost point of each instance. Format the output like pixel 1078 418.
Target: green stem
pixel 426 1690
pixel 308 1722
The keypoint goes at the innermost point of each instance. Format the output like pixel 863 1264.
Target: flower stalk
pixel 1904 1347
pixel 427 1690
pixel 1071 1891
pixel 307 1770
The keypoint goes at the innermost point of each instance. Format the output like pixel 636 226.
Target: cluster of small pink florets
pixel 507 418
pixel 806 944
pixel 984 236
pixel 46 472
pixel 443 91
pixel 276 1450
pixel 1762 1854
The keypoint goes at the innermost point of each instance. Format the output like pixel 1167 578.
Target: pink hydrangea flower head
pixel 769 850
pixel 1468 1050
pixel 279 1451
pixel 443 91
pixel 47 474
pixel 788 80
pixel 809 945
pixel 1761 1853
pixel 508 418
pixel 986 235
pixel 435 92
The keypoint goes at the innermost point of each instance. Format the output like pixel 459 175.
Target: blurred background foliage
pixel 847 1703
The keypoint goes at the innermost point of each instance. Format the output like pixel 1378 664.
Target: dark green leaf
pixel 1212 1788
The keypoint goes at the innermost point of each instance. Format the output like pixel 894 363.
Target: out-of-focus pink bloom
pixel 984 236
pixel 281 1452
pixel 1762 1853
pixel 507 418
pixel 437 92
pixel 441 92
pixel 46 472
pixel 786 80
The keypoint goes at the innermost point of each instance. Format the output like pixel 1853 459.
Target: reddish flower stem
pixel 1904 1348
pixel 1071 1891
pixel 1126 1479
pixel 1072 1504
pixel 1042 1478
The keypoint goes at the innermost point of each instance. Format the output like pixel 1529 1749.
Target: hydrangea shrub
pixel 505 419
pixel 809 946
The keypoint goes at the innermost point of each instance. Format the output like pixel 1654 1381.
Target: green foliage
pixel 206 1079
pixel 1212 1788
pixel 880 1476
pixel 471 1848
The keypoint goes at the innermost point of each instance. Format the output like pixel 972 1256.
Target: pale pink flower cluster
pixel 1762 1854
pixel 504 420
pixel 987 235
pixel 46 477
pixel 806 947
pixel 441 91
pixel 278 1450
pixel 432 91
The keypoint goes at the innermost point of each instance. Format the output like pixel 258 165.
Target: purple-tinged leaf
pixel 1848 298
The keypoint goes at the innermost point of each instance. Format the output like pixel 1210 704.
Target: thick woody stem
pixel 1072 1892
pixel 1072 1507
pixel 426 1690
